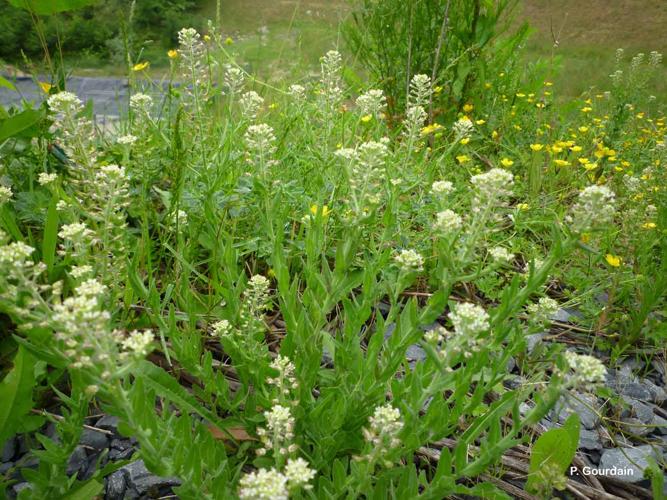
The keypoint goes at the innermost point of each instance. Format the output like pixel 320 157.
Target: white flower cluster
pixel 234 79
pixel 138 343
pixel 587 370
pixel 371 103
pixel 257 294
pixel 365 166
pixel 331 64
pixel 222 328
pixel 382 434
pixel 83 327
pixel 501 255
pixel 448 221
pixel 127 140
pixel 278 434
pixel 297 92
pixel 469 319
pixel 270 484
pixel 285 381
pixel 16 254
pixel 594 207
pixel 409 260
pixel 543 311
pixel 442 188
pixel 5 194
pixel 45 178
pixel 420 90
pixel 259 141
pixel 141 104
pixel 491 188
pixel 77 132
pixel 250 103
pixel 463 128
pixel 192 54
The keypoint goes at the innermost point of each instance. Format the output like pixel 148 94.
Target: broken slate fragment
pixel 138 477
pixel 585 405
pixel 94 439
pixel 626 464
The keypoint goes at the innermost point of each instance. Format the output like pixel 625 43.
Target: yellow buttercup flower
pixel 430 129
pixel 46 87
pixel 586 109
pixel 463 159
pixel 467 108
pixel 465 140
pixel 523 206
pixel 583 129
pixel 494 134
pixel 229 41
pixel 366 118
pixel 562 163
pixel 649 225
pixel 585 238
pixel 480 122
pixel 537 147
pixel 314 209
pixel 506 162
pixel 140 66
pixel 613 260
pixel 172 54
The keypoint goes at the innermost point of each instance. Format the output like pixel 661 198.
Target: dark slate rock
pixel 534 340
pixel 635 426
pixel 634 460
pixel 566 314
pixel 108 423
pixel 638 391
pixel 590 440
pixel 658 394
pixel 585 405
pixel 660 425
pixel 415 353
pixel 8 450
pixel 115 486
pixel 141 480
pixel 17 488
pixel 5 467
pixel 115 454
pixel 641 411
pixel 514 382
pixel 78 461
pixel 94 439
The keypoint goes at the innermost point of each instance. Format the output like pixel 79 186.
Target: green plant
pixel 458 43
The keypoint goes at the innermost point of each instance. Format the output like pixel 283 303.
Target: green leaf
pixel 50 234
pixel 86 491
pixel 16 394
pixel 552 453
pixel 47 7
pixel 19 122
pixel 168 387
pixel 6 83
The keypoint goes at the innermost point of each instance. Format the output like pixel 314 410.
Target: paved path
pixel 109 95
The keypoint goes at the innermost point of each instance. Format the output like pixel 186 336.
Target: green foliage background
pixel 95 29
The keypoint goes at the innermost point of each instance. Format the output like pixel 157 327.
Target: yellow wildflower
pixel 613 260
pixel 140 66
pixel 46 87
pixel 467 108
pixel 649 225
pixel 366 118
pixel 537 147
pixel 314 209
pixel 562 163
pixel 506 162
pixel 463 159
